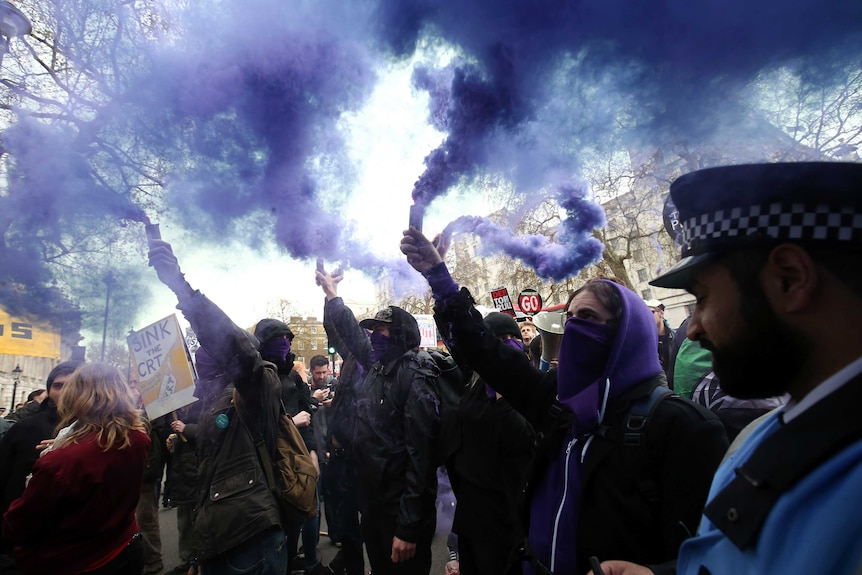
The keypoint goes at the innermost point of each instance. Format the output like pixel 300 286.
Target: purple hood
pixel 633 358
pixel 555 503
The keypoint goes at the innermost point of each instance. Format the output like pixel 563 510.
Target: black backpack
pixel 450 388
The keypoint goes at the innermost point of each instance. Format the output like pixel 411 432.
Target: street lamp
pixel 109 281
pixel 16 377
pixel 13 23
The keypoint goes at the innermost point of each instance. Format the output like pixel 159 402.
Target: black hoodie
pixel 295 394
pixel 397 422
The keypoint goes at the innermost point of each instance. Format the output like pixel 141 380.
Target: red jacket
pixel 78 507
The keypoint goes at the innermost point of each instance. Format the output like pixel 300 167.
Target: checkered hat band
pixel 777 221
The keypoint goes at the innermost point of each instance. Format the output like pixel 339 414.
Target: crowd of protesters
pixel 617 458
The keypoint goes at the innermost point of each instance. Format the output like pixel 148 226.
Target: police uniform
pixel 788 500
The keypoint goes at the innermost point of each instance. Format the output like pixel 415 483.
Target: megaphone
pixel 551 325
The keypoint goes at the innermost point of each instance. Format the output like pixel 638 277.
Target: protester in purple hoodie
pixel 591 493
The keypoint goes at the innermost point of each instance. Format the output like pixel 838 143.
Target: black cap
pixel 383 316
pixel 817 204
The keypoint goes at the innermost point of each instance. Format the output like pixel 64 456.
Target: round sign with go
pixel 530 301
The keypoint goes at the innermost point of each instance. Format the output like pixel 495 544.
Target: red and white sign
pixel 427 330
pixel 530 302
pixel 502 301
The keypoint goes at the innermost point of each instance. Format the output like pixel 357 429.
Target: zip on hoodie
pixel 569 447
pixel 562 503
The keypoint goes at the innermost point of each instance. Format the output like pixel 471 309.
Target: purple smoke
pixel 673 64
pixel 574 249
pixel 474 108
pixel 228 117
pixel 256 111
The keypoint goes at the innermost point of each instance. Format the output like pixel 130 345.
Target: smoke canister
pixel 153 232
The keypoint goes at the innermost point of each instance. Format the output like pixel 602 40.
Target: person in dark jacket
pixel 275 341
pixel 147 511
pixel 182 473
pixel 18 448
pixel 238 526
pixel 342 477
pixel 666 336
pixel 590 494
pixel 485 444
pixel 397 423
pixel 29 408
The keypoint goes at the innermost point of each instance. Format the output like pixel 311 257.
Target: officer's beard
pixel 765 356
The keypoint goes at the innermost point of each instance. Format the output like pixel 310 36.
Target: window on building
pixel 300 345
pixel 313 329
pixel 642 275
pixel 314 345
pixel 646 294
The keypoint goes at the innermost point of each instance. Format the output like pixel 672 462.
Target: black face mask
pixel 379 346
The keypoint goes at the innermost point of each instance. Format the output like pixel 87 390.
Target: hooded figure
pixel 486 446
pixel 590 492
pixel 397 422
pixel 276 339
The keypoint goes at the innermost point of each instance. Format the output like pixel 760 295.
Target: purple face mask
pixel 584 353
pixel 514 343
pixel 276 348
pixel 379 345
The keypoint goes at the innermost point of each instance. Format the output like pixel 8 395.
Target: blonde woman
pixel 77 514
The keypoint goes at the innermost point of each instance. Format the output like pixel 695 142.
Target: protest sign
pixel 502 301
pixel 427 330
pixel 162 366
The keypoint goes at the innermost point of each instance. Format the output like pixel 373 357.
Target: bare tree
pixel 73 175
pixel 819 108
pixel 282 309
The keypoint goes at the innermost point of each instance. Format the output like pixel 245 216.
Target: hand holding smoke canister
pixel 417 214
pixel 153 232
pixel 164 261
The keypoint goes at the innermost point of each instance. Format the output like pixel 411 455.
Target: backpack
pixel 450 389
pixel 292 476
pixel 450 380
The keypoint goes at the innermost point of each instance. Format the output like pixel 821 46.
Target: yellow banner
pixel 161 364
pixel 20 336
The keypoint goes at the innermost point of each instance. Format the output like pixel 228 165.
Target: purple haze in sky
pixel 239 105
pixel 675 60
pixel 575 247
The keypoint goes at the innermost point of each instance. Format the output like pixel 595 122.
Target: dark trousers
pixel 147 514
pixel 482 556
pixel 129 562
pixel 310 532
pixel 342 501
pixel 186 529
pixel 378 531
pixel 329 497
pixel 263 554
